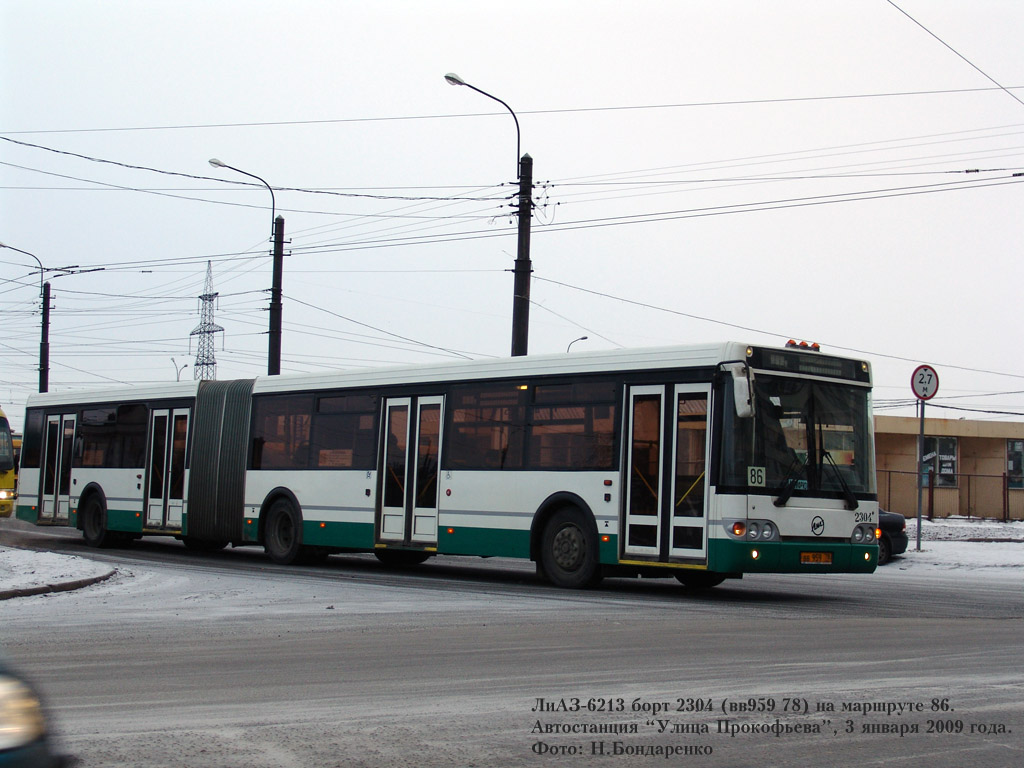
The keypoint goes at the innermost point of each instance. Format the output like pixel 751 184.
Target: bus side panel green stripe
pixel 344 535
pixel 121 520
pixel 486 542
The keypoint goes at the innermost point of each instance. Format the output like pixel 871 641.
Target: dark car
pixel 24 740
pixel 893 540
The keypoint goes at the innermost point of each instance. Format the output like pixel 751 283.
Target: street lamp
pixel 581 338
pixel 452 79
pixel 523 267
pixel 274 348
pixel 44 339
pixel 177 370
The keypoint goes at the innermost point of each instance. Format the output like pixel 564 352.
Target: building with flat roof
pixel 972 468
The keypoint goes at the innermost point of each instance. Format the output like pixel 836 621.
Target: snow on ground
pixel 23 569
pixel 977 545
pixel 985 546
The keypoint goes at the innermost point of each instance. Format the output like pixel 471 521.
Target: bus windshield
pixel 6 447
pixel 806 438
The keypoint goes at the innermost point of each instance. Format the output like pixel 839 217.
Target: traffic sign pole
pixel 925 384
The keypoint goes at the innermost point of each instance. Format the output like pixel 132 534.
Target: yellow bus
pixel 7 468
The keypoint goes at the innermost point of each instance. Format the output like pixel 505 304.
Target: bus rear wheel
pixel 283 535
pixel 569 554
pixel 94 524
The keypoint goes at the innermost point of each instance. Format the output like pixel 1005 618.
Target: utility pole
pixel 44 343
pixel 274 349
pixel 523 266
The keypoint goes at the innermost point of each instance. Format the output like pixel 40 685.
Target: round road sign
pixel 924 382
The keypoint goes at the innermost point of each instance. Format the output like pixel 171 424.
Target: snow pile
pixel 24 569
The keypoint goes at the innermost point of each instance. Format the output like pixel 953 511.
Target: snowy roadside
pixel 977 545
pixel 26 572
pixel 980 546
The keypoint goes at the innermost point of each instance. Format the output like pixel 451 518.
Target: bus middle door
pixel 408 506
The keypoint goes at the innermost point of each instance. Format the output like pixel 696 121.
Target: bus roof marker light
pixel 805 345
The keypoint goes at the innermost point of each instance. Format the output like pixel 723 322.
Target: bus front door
pixel 58 448
pixel 408 506
pixel 168 481
pixel 666 487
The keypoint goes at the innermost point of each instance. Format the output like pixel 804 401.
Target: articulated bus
pixel 702 463
pixel 7 468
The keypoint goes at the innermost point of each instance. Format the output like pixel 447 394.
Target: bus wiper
pixel 851 500
pixel 790 481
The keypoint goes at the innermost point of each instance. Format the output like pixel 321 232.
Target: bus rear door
pixel 168 481
pixel 666 460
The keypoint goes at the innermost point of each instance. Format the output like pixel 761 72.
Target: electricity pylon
pixel 206 362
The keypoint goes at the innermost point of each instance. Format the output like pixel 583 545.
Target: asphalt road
pixel 229 660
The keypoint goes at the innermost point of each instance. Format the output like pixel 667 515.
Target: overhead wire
pixel 563 111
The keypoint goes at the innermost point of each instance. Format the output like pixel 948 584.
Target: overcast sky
pixel 840 172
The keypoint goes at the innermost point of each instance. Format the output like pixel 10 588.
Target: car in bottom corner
pixel 892 539
pixel 25 741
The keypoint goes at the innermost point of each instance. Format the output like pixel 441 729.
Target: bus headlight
pixel 863 534
pixel 21 715
pixel 6 494
pixel 751 530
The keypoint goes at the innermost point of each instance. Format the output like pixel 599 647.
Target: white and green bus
pixel 702 463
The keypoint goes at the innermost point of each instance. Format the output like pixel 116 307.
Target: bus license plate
pixel 816 558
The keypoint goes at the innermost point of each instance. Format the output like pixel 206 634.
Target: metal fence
pixel 994 497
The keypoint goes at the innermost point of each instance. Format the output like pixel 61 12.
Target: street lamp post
pixel 274 346
pixel 177 370
pixel 523 266
pixel 581 338
pixel 44 339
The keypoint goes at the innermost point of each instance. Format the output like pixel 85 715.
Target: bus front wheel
pixel 569 551
pixel 699 580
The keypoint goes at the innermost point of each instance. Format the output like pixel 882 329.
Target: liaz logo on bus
pixel 817 526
